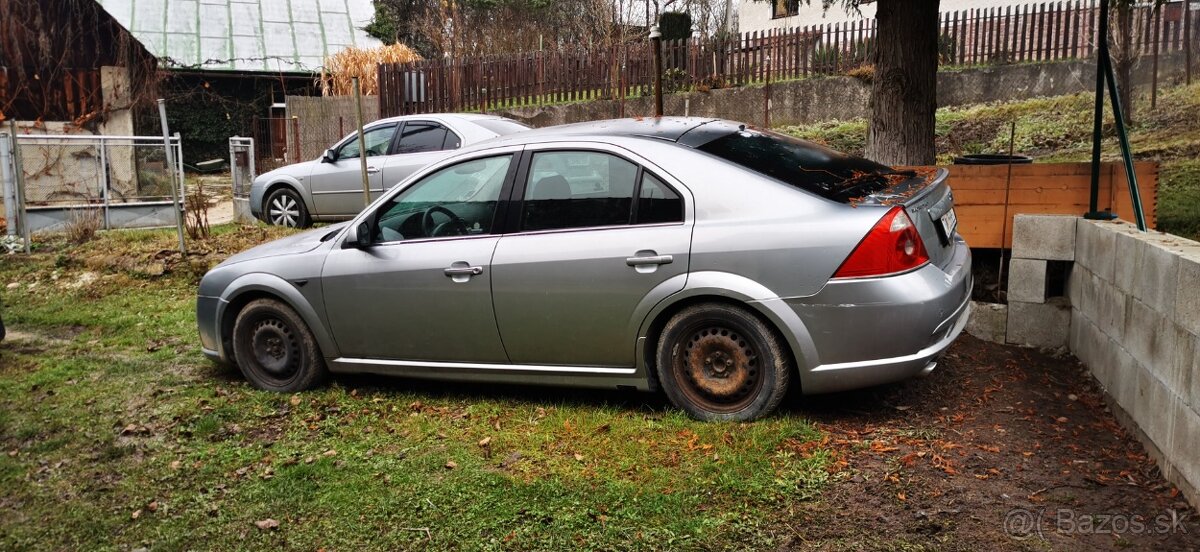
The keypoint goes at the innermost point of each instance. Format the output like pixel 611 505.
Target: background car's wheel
pixel 720 362
pixel 285 208
pixel 275 350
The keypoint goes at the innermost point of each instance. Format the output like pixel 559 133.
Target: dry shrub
pixel 361 63
pixel 195 212
pixel 864 73
pixel 83 223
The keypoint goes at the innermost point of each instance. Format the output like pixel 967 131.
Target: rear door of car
pixel 596 229
pixel 419 143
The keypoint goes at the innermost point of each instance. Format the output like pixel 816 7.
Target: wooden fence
pixel 1013 34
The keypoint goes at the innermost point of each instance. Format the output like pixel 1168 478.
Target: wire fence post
pixel 362 146
pixel 9 183
pixel 176 205
pixel 19 173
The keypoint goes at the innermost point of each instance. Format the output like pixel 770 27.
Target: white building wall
pixel 755 15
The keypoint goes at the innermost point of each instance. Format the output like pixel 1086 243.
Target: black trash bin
pixel 993 159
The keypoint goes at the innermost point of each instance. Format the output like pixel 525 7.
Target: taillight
pixel 892 246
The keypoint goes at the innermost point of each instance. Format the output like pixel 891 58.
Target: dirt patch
pixel 997 435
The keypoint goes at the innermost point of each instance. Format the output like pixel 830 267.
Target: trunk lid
pixel 926 196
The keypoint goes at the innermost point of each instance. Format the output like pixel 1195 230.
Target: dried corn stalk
pixel 360 62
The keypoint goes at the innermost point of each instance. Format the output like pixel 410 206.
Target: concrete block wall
pixel 1035 318
pixel 1135 322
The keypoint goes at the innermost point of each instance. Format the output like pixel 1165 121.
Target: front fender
pixel 261 282
pixel 283 180
pixel 741 290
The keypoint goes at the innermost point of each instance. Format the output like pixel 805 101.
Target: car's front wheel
pixel 285 208
pixel 720 362
pixel 274 348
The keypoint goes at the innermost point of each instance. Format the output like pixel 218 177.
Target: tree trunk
pixel 904 89
pixel 1124 61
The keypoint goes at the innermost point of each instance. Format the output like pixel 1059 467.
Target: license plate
pixel 949 223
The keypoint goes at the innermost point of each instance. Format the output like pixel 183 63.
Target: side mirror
pixel 362 234
pixel 328 156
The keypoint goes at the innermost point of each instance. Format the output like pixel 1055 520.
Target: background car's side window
pixel 657 202
pixel 377 140
pixel 578 189
pixel 459 200
pixel 423 136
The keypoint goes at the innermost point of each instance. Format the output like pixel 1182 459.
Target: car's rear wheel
pixel 285 208
pixel 274 348
pixel 720 362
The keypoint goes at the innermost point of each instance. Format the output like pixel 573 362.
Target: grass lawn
pixel 115 433
pixel 1059 129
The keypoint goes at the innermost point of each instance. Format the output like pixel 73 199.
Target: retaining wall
pixel 819 99
pixel 1132 315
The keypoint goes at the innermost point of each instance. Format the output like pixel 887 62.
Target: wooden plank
pixel 1041 188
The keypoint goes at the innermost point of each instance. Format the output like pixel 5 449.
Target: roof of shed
pixel 245 35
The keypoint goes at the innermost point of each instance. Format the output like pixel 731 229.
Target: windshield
pixel 501 126
pixel 800 163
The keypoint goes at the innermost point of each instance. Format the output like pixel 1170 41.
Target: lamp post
pixel 656 43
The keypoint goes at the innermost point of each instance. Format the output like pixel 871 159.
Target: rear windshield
pixel 800 163
pixel 501 126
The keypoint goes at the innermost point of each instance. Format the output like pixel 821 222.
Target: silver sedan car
pixel 718 263
pixel 330 188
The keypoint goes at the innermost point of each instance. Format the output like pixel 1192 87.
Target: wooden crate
pixel 1041 188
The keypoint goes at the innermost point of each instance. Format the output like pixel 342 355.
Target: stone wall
pixel 1134 320
pixel 819 99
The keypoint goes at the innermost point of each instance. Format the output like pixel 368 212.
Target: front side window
pixel 421 136
pixel 578 189
pixel 459 200
pixel 377 139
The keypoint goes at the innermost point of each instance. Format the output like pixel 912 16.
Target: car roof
pixel 436 116
pixel 667 129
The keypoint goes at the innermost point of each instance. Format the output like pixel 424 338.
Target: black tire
pixel 719 362
pixel 284 207
pixel 274 348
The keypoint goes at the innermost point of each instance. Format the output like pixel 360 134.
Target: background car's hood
pixel 291 245
pixel 294 170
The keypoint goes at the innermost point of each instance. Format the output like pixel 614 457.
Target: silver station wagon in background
pixel 715 262
pixel 330 188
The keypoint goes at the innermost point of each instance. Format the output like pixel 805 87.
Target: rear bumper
pixel 206 322
pixel 875 331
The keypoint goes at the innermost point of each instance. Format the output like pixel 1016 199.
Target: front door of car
pixel 422 289
pixel 597 233
pixel 336 184
pixel 419 144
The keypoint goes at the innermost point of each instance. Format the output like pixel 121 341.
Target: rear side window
pixel 800 163
pixel 578 189
pixel 419 137
pixel 657 203
pixel 501 126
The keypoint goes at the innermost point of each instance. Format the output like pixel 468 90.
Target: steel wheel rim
pixel 718 368
pixel 276 349
pixel 285 211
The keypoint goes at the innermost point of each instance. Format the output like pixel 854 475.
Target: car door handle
pixel 649 260
pixel 464 271
pixel 372 170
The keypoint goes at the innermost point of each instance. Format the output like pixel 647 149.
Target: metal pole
pixel 1098 119
pixel 162 117
pixel 19 172
pixel 1187 41
pixel 362 143
pixel 296 135
pixel 1156 20
pixel 767 96
pixel 1130 176
pixel 9 183
pixel 104 179
pixel 656 43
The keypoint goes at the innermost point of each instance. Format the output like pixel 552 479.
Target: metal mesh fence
pixel 94 170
